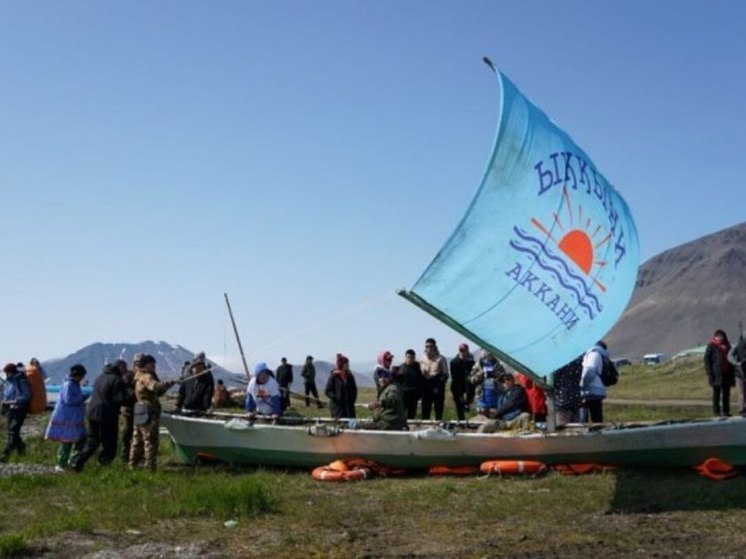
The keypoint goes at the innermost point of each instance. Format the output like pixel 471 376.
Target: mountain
pixel 169 361
pixel 683 295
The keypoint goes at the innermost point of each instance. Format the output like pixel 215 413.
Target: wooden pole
pixel 238 339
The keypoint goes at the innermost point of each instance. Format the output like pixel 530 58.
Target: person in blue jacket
pixel 16 397
pixel 67 424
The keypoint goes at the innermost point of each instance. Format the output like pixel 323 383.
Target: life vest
pixel 581 469
pixel 717 470
pixel 353 469
pixel 512 467
pixel 452 470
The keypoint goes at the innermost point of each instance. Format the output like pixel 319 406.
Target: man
pixel 435 370
pixel 263 394
pixel 461 367
pixel 512 407
pixel 409 376
pixel 16 397
pixel 592 389
pixel 109 392
pixel 147 413
pixel 196 390
pixel 309 381
pixel 487 389
pixel 737 358
pixel 390 413
pixel 285 380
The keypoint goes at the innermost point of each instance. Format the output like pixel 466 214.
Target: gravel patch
pixel 25 469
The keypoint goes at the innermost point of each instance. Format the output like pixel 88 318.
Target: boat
pixel 53 392
pixel 540 267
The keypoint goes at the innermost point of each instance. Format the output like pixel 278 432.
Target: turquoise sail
pixel 545 259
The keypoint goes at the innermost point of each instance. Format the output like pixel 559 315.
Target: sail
pixel 545 259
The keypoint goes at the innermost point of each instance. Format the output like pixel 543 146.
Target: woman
pixel 16 397
pixel 719 372
pixel 341 390
pixel 67 425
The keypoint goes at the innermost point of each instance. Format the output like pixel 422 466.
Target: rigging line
pixel 370 303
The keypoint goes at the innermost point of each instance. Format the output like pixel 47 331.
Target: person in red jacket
pixel 537 398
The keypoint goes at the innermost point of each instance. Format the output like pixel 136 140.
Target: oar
pixel 299 396
pixel 190 377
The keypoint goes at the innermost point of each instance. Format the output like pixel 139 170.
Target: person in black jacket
pixel 719 372
pixel 109 393
pixel 409 376
pixel 195 392
pixel 285 379
pixel 341 389
pixel 512 407
pixel 461 367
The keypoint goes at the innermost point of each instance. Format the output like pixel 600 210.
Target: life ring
pixel 327 473
pixel 581 469
pixel 512 467
pixel 452 470
pixel 717 470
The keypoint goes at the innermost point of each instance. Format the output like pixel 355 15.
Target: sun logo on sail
pixel 577 241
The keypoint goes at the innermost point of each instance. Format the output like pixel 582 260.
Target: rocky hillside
pixel 683 295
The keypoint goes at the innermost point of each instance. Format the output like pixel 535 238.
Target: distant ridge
pixel 169 360
pixel 683 295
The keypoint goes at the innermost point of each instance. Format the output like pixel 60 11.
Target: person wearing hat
pixel 67 424
pixel 341 389
pixel 309 381
pixel 148 390
pixel 461 367
pixel 16 397
pixel 384 361
pixel 512 407
pixel 109 392
pixel 263 394
pixel 195 392
pixel 390 414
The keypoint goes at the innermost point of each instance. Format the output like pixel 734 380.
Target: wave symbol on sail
pixel 558 268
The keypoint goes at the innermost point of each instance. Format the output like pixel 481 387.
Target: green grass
pixel 626 513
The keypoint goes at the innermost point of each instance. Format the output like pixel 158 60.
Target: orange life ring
pixel 327 473
pixel 452 470
pixel 582 469
pixel 717 470
pixel 512 467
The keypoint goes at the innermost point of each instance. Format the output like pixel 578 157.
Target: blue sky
pixel 309 158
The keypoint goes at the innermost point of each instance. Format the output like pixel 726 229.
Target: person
pixel 309 381
pixel 567 399
pixel 128 405
pixel 537 398
pixel 263 394
pixel 409 376
pixel 196 390
pixel 384 359
pixel 435 371
pixel 737 358
pixel 341 389
pixel 461 367
pixel 221 398
pixel 285 380
pixel 109 393
pixel 512 407
pixel 390 414
pixel 592 389
pixel 186 370
pixel 67 424
pixel 148 388
pixel 16 397
pixel 36 378
pixel 483 377
pixel 719 372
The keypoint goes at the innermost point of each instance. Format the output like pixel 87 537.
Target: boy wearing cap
pixel 390 413
pixel 461 367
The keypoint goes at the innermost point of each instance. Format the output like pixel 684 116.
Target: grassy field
pixel 180 512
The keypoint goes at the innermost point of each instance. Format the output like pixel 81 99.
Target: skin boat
pixel 240 441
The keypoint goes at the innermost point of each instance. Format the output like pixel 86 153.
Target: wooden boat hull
pixel 240 442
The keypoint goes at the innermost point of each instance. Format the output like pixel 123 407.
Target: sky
pixel 309 158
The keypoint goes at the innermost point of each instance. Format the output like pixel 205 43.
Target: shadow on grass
pixel 656 490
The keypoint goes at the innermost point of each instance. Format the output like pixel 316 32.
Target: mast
pixel 238 339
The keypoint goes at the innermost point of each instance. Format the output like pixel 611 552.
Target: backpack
pixel 38 400
pixel 609 373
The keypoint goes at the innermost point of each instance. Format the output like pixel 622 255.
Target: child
pixel 67 424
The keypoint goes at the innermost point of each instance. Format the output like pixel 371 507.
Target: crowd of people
pixel 124 407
